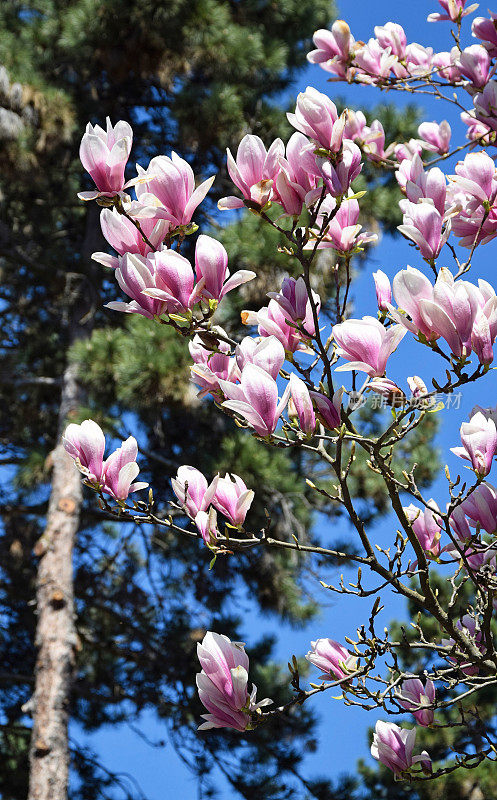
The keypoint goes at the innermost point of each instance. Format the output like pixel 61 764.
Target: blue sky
pixel 160 772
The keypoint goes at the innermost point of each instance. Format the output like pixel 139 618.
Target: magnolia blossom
pixel 392 35
pixel 328 410
pixel 222 684
pixel 342 232
pixel 192 490
pixel 374 61
pixel 339 175
pixel 85 443
pixel 296 182
pixel 211 267
pixel 164 282
pixel 253 172
pixel 435 136
pixel 333 48
pixel 479 443
pixel 210 367
pixel 383 290
pixel 273 321
pixel 418 698
pixel 302 404
pixel 331 658
pixel 427 526
pixel 481 507
pixel 206 524
pixel 474 63
pixel 255 399
pixel 454 11
pixel 393 746
pixel 267 353
pixel 293 299
pixel 425 226
pixel 485 30
pixel 366 344
pixel 448 310
pixel 233 499
pixel 121 469
pixel 125 237
pixel 485 104
pixel 104 155
pixel 166 190
pixel 316 116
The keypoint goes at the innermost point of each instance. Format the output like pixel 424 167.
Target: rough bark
pixel 56 636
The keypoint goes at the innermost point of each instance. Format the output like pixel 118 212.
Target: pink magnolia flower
pixel 436 136
pixel 477 176
pixel 454 11
pixel 166 190
pixel 481 507
pixel 427 526
pixel 206 524
pixel 355 125
pixel 424 225
pixel 460 525
pixel 339 175
pixel 448 309
pixel 233 499
pixel 366 344
pixel 481 339
pixel 121 469
pixel 222 684
pixel 159 284
pixel 485 104
pixel 479 443
pixel 443 64
pixel 104 155
pixel 393 747
pixel 192 490
pixel 297 179
pixel 393 394
pixel 293 300
pixel 211 367
pixel 211 267
pixel 85 443
pixel 392 35
pixel 328 411
pixel 474 63
pixel 272 321
pixel 267 353
pixel 374 61
pixel 342 232
pixel 331 658
pixel 418 698
pixel 255 399
pixel 333 48
pixel 302 404
pixel 316 116
pixel 476 128
pixel 373 142
pixel 486 30
pixel 418 59
pixel 383 290
pixel 125 237
pixel 253 172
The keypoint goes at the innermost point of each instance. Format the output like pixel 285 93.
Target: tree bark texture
pixel 56 637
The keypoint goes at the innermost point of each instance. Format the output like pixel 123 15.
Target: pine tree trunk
pixel 56 633
pixel 56 636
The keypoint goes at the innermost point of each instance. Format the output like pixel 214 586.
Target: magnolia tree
pixel 284 381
